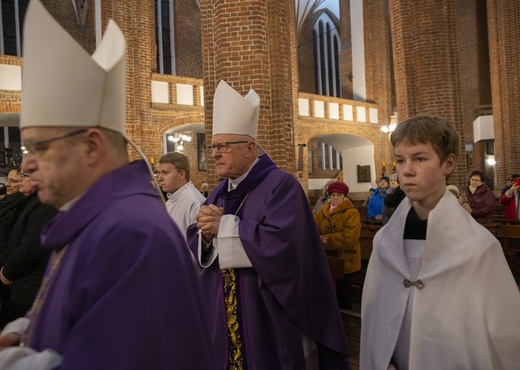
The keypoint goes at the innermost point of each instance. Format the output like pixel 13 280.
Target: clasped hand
pixel 3 279
pixel 9 340
pixel 208 221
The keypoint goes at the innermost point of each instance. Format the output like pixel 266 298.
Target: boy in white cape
pixel 438 292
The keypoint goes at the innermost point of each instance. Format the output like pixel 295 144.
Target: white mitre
pixel 234 113
pixel 63 86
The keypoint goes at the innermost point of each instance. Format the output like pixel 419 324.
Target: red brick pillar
pixel 345 54
pixel 378 65
pixel 504 47
pixel 426 64
pixel 378 57
pixel 251 44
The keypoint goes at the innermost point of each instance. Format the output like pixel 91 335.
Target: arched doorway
pixel 347 157
pixel 190 140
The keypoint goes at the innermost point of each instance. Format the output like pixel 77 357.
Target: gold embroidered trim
pixel 236 360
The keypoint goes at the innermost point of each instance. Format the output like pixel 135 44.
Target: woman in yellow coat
pixel 339 224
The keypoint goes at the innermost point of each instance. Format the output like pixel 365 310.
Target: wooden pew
pixel 498 212
pixel 509 237
pixel 366 238
pixel 336 267
pixel 368 231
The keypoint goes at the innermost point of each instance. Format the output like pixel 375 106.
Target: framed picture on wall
pixel 201 152
pixel 363 173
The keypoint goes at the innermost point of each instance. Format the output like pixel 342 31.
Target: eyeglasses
pixel 37 147
pixel 224 147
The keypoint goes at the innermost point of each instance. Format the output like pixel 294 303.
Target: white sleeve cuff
pixel 23 358
pixel 230 249
pixel 213 252
pixel 18 326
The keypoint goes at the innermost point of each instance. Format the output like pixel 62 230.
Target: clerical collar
pixel 232 184
pixel 69 204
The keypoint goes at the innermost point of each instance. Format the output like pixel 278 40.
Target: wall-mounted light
pixel 391 127
pixel 490 160
pixel 179 140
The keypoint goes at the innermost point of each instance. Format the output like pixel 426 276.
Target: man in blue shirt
pixel 375 206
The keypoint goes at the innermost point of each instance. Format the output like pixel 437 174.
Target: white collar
pixel 234 183
pixel 177 194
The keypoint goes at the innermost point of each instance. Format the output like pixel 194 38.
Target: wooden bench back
pixel 366 238
pixel 336 267
pixel 509 237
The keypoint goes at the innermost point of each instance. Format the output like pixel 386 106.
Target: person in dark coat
pixel 23 263
pixel 3 193
pixel 12 205
pixel 9 208
pixel 481 198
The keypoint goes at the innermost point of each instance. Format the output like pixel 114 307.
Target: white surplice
pixel 467 314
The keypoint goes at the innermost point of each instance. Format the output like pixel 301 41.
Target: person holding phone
pixel 511 199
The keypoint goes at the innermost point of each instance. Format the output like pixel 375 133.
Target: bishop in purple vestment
pixel 120 290
pixel 265 279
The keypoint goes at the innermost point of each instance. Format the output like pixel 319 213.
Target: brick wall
pixel 10 100
pixel 188 41
pixel 63 12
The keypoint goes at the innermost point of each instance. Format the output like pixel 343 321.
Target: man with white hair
pixel 120 289
pixel 266 281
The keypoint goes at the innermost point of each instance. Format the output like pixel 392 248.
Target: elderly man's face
pixel 26 186
pixel 56 168
pixel 234 159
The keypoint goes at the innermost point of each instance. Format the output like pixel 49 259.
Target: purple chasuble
pixel 125 294
pixel 289 290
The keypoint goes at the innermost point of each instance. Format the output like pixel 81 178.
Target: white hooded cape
pixel 467 315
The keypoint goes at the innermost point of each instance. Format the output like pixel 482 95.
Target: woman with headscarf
pixel 339 224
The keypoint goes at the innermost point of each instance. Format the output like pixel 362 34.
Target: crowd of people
pixel 22 260
pixel 477 198
pixel 98 271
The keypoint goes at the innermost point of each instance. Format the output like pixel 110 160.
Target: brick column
pixel 251 44
pixel 137 21
pixel 504 33
pixel 378 58
pixel 426 66
pixel 345 55
pixel 378 64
